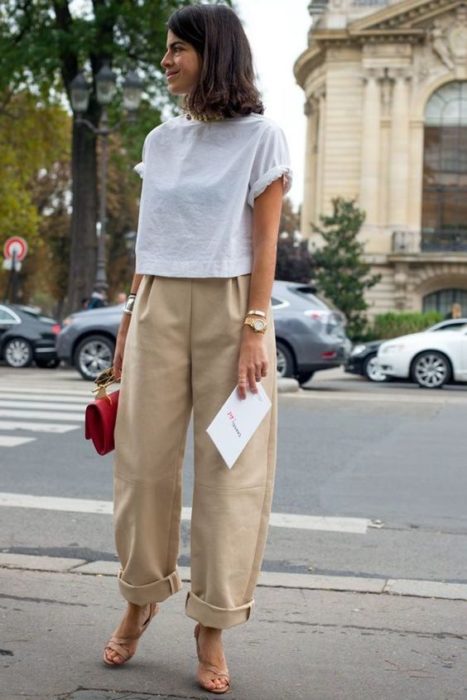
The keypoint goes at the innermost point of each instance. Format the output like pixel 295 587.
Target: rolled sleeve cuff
pixel 265 180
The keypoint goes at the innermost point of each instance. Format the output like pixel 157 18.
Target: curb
pixel 287 385
pixel 350 584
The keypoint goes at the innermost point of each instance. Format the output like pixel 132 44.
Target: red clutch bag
pixel 101 414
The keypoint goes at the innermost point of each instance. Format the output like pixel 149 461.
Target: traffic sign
pixel 8 264
pixel 15 245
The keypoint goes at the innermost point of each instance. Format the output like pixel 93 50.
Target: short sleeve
pixel 139 168
pixel 272 161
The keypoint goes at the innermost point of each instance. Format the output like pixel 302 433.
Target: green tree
pixel 294 261
pixel 341 271
pixel 34 180
pixel 43 45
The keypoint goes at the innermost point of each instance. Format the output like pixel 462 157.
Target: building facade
pixel 386 105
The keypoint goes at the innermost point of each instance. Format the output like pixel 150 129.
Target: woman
pixel 201 324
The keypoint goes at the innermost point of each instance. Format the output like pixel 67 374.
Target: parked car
pixel 430 359
pixel 362 358
pixel 26 337
pixel 310 335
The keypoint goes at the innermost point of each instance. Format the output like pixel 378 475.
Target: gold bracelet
pixel 256 312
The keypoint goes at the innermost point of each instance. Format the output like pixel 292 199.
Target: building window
pixel 444 299
pixel 444 209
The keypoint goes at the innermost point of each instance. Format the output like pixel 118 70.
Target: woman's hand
pixel 117 361
pixel 253 361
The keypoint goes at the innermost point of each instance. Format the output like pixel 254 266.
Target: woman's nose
pixel 166 61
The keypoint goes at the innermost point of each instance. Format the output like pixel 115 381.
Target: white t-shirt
pixel 200 180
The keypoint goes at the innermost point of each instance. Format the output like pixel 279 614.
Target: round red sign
pixel 17 245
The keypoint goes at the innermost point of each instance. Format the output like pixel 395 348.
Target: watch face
pixel 259 325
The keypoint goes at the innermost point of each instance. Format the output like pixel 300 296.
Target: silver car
pixel 310 335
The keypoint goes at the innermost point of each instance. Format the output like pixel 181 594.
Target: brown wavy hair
pixel 226 86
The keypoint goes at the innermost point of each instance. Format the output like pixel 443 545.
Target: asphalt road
pixel 391 456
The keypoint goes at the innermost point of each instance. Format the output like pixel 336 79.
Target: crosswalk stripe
pixel 37 427
pixel 46 390
pixel 282 520
pixel 13 441
pixel 51 405
pixel 25 396
pixel 50 415
pixel 48 405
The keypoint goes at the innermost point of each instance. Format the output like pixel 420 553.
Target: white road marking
pixel 319 522
pixel 51 415
pixel 13 441
pixel 51 405
pixel 47 390
pixel 283 520
pixel 37 427
pixel 25 396
pixel 342 396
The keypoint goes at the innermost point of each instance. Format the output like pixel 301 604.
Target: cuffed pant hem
pixel 212 616
pixel 154 592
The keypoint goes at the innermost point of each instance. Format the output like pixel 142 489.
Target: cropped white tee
pixel 200 180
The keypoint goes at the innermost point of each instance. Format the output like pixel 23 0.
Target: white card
pixel 236 422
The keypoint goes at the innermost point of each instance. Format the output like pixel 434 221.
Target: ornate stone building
pixel 386 105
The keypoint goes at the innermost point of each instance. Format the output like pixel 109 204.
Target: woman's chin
pixel 176 89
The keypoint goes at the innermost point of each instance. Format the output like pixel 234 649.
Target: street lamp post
pixel 106 85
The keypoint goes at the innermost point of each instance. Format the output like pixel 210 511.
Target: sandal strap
pixel 122 651
pixel 211 669
pixel 119 644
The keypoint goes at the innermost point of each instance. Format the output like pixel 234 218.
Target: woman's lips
pixel 171 75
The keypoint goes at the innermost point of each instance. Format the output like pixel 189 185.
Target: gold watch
pixel 259 325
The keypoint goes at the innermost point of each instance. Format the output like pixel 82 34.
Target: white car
pixel 430 359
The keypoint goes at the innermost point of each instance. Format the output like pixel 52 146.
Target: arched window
pixel 443 300
pixel 444 212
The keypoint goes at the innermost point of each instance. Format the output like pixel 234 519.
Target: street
pixel 370 498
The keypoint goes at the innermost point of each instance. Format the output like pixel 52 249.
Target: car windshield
pixel 448 326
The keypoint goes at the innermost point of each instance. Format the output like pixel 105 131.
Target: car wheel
pixel 47 364
pixel 17 352
pixel 431 369
pixel 304 377
pixel 372 371
pixel 92 355
pixel 285 360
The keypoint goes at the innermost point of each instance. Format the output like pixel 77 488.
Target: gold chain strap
pixel 103 380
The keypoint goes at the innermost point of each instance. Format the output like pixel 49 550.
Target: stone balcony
pixel 431 242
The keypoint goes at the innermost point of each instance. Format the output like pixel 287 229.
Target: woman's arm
pixel 122 332
pixel 253 360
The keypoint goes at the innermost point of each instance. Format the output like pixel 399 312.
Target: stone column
pixel 321 141
pixel 399 151
pixel 309 190
pixel 370 158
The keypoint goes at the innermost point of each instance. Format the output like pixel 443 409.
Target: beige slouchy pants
pixel 181 354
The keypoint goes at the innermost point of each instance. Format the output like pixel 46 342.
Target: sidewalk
pixel 300 643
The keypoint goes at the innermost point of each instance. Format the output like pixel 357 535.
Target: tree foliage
pixel 341 271
pixel 43 46
pixel 34 182
pixel 294 262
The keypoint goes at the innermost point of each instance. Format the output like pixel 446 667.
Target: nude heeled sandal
pixel 120 644
pixel 211 669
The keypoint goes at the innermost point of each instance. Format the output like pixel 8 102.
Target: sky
pixel 277 31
